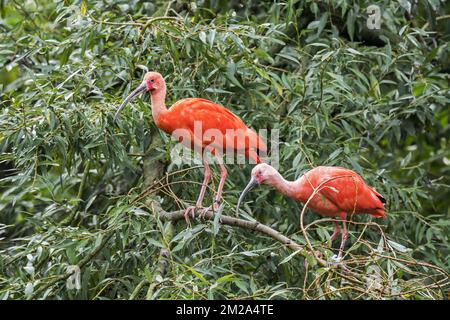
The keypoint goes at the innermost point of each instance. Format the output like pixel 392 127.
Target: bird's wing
pixel 348 191
pixel 213 116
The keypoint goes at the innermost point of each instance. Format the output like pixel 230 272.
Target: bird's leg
pixel 335 234
pixel 223 176
pixel 191 210
pixel 336 259
pixel 204 184
pixel 344 236
pixel 336 231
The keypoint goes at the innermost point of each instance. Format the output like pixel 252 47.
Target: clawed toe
pixel 193 209
pixel 190 210
pixel 203 212
pixel 186 216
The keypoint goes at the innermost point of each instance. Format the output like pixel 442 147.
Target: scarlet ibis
pixel 329 191
pixel 197 117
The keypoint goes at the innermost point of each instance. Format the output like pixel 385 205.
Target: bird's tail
pixel 255 141
pixel 256 146
pixel 379 212
pixel 251 154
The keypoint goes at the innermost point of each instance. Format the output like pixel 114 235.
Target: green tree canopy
pixel 78 189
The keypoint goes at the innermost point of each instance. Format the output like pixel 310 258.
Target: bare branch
pixel 245 224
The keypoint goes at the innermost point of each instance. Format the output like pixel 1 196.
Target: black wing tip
pixel 382 199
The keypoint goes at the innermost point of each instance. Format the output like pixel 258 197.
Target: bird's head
pixel 261 173
pixel 153 82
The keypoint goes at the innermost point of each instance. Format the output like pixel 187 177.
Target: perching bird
pixel 200 125
pixel 329 191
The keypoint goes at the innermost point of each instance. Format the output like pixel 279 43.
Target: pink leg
pixel 344 235
pixel 191 210
pixel 336 231
pixel 223 176
pixel 204 184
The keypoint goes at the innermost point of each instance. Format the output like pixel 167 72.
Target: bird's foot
pixel 337 261
pixel 214 208
pixel 190 211
pixel 204 212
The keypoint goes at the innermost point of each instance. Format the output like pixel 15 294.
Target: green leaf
pixel 350 23
pixel 216 222
pixel 202 36
pixel 419 88
pixel 398 247
pixel 289 257
pixel 231 71
pixel 226 278
pixel 83 7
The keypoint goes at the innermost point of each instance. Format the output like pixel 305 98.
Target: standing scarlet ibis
pixel 329 191
pixel 204 126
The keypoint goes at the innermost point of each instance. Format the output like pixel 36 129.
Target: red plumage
pixel 227 131
pixel 328 191
pixel 202 125
pixel 339 190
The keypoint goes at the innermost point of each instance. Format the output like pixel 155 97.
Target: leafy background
pixel 339 93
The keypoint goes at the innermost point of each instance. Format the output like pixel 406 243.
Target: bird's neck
pixel 158 104
pixel 289 188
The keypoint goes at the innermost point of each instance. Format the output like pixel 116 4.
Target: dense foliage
pixel 375 101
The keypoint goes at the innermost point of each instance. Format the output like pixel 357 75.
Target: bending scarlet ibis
pixel 201 125
pixel 329 191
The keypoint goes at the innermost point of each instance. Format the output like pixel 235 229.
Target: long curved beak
pixel 251 184
pixel 142 87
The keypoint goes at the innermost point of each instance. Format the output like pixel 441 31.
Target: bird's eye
pixel 152 80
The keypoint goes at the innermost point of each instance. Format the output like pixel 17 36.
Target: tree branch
pixel 163 262
pixel 245 224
